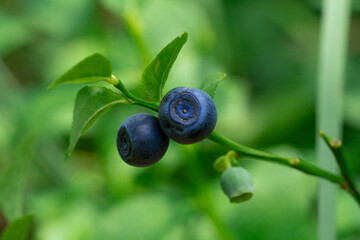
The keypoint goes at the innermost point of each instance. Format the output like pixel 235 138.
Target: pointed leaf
pixel 13 180
pixel 19 229
pixel 94 68
pixel 156 74
pixel 211 83
pixel 90 104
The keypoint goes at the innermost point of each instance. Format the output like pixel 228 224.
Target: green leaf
pixel 94 68
pixel 19 229
pixel 211 83
pixel 90 104
pixel 13 180
pixel 156 74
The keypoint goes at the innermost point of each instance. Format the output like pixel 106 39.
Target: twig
pixel 336 148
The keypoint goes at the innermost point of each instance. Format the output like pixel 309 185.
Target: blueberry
pixel 187 115
pixel 237 184
pixel 140 140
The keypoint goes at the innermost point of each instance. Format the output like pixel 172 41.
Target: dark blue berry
pixel 187 115
pixel 140 140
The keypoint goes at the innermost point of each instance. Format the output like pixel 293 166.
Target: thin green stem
pixel 337 150
pixel 227 163
pixel 133 99
pixel 290 162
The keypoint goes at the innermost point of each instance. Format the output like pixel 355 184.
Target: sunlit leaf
pixel 94 68
pixel 156 74
pixel 19 229
pixel 211 83
pixel 90 104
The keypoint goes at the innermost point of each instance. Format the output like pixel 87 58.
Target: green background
pixel 269 51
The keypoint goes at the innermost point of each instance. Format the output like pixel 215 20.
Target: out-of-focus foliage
pixel 268 49
pixel 18 230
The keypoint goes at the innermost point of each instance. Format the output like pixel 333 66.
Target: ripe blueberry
pixel 140 140
pixel 187 115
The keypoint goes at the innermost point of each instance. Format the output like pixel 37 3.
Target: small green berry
pixel 237 184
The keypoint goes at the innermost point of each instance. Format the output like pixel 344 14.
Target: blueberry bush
pixel 186 115
pixel 124 109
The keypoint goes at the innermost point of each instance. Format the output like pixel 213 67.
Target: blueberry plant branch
pixel 295 163
pixel 337 150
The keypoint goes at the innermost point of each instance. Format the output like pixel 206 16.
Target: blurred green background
pixel 269 50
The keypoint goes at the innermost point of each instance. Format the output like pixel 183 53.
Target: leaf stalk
pixel 337 150
pixel 132 98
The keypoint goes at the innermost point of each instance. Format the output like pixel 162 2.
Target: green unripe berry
pixel 237 184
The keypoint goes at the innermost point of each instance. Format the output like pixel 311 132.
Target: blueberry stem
pixel 227 163
pixel 290 162
pixel 337 150
pixel 133 99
